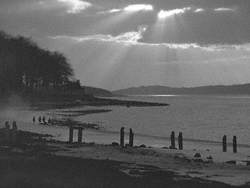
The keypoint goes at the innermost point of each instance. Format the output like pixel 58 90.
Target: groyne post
pixel 180 141
pixel 80 129
pixel 122 137
pixel 235 144
pixel 71 132
pixel 172 139
pixel 224 143
pixel 131 138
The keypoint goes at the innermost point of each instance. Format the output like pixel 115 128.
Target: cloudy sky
pixel 116 44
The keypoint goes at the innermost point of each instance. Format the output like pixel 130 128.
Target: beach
pixel 213 167
pixel 41 163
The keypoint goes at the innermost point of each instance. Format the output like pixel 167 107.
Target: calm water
pixel 198 117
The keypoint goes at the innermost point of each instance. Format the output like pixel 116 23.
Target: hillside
pixel 243 89
pixel 98 92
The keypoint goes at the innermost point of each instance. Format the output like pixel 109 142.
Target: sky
pixel 115 44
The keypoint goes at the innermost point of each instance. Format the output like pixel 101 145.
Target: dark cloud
pixel 47 17
pixel 105 59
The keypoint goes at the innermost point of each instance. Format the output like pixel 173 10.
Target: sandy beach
pixel 212 168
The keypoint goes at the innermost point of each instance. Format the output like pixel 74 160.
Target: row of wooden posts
pixel 11 134
pixel 71 134
pixel 131 139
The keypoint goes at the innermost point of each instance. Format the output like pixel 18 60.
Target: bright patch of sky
pixel 75 6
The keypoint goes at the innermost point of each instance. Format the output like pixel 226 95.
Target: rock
pixel 231 162
pixel 198 160
pixel 115 144
pixel 142 146
pixel 210 157
pixel 197 155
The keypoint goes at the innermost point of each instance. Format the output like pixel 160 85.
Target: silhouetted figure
pixel 180 141
pixel 172 146
pixel 234 144
pixel 122 137
pixel 14 125
pixel 13 133
pixel 224 143
pixel 34 119
pixel 39 119
pixel 44 120
pixel 7 132
pixel 7 125
pixel 49 121
pixel 131 138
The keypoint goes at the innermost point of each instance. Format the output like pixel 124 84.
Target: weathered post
pixel 224 143
pixel 180 141
pixel 80 135
pixel 172 139
pixel 234 144
pixel 131 138
pixel 122 137
pixel 71 132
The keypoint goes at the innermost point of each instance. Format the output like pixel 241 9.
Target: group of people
pixel 42 120
pixel 14 125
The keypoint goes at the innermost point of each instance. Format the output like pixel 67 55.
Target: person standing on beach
pixel 7 125
pixel 39 119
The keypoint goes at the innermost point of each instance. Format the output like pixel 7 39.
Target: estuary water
pixel 203 120
pixel 200 118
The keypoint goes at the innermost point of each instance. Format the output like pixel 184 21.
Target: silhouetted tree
pixel 24 65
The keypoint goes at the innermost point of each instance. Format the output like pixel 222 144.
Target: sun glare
pixel 168 13
pixel 138 7
pixel 76 6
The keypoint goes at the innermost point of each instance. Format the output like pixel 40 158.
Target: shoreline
pixel 178 165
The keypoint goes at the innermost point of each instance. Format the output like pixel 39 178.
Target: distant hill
pixel 98 92
pixel 243 89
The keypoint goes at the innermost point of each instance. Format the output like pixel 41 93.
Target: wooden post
pixel 122 137
pixel 180 141
pixel 131 138
pixel 172 146
pixel 234 144
pixel 71 132
pixel 80 135
pixel 224 143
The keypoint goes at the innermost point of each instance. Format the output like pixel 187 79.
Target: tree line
pixel 26 66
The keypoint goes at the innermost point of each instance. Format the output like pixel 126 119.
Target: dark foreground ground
pixel 48 171
pixel 30 162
